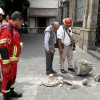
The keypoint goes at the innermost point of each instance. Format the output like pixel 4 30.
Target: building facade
pixel 86 21
pixel 41 13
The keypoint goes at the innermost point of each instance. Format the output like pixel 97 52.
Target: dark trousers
pixel 49 61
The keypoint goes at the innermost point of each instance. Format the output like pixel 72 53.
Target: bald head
pixel 55 26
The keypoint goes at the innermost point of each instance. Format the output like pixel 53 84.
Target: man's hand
pixel 61 51
pixel 21 44
pixel 60 46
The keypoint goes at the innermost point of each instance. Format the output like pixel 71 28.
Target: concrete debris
pixel 82 67
pixel 50 81
pixel 80 83
pixel 60 85
pixel 97 77
pixel 92 83
pixel 70 75
pixel 60 80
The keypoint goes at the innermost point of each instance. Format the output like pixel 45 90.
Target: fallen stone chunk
pixel 97 77
pixel 50 81
pixel 60 85
pixel 82 67
pixel 80 83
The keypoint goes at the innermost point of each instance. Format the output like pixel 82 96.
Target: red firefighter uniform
pixel 10 51
pixel 3 23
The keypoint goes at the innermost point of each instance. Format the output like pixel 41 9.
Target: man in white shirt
pixel 49 43
pixel 67 51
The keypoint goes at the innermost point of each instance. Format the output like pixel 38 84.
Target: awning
pixel 42 12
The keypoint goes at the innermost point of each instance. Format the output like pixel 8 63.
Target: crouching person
pixel 10 50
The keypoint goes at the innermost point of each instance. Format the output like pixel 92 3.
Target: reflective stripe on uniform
pixel 15 51
pixel 6 91
pixel 0 56
pixel 5 61
pixel 12 86
pixel 14 58
pixel 3 41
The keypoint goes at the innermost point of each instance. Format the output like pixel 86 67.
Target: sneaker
pixel 63 71
pixel 71 69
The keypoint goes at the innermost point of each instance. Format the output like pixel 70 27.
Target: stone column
pixel 86 14
pixel 90 24
pixel 92 17
pixel 66 8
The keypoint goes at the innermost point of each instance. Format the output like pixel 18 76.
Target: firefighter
pixel 10 51
pixel 2 22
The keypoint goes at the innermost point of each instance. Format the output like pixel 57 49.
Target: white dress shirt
pixel 63 35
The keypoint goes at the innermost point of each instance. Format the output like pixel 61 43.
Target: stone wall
pixel 85 38
pixel 86 35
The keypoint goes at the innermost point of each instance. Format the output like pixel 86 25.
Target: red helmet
pixel 67 21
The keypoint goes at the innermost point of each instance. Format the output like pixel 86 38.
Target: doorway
pixel 41 24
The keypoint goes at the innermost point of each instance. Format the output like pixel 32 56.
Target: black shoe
pixel 48 72
pixel 71 69
pixel 16 94
pixel 63 71
pixel 7 96
pixel 53 72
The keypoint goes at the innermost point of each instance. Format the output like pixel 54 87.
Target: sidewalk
pixel 32 69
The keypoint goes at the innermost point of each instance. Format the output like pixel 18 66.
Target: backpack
pixel 7 26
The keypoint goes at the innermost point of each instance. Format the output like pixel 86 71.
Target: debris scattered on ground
pixel 51 81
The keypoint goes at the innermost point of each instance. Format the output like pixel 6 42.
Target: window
pixel 80 11
pixel 32 22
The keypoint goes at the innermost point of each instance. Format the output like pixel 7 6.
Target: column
pixel 93 12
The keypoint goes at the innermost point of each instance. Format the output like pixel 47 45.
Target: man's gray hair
pixel 54 23
pixel 16 15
